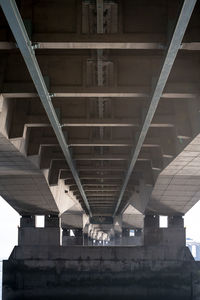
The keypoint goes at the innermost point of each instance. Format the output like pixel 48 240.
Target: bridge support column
pixel 85 238
pixel 118 230
pixel 29 235
pixel 175 222
pixel 125 232
pixel 138 232
pixel 173 236
pixel 86 230
pixel 78 232
pixel 151 227
pixel 72 237
pixel 132 240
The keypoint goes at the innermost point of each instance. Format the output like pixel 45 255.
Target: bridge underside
pixel 100 134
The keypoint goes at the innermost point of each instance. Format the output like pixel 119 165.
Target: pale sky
pixel 9 222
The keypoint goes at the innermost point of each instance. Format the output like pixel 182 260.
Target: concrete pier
pixel 77 272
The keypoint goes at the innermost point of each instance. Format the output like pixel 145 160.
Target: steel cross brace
pixel 172 51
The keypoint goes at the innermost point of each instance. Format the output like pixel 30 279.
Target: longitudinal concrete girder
pixel 17 26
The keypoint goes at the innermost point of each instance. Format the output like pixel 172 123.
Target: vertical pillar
pixel 151 222
pixel 118 230
pixel 175 222
pixel 78 232
pixel 173 236
pixel 125 236
pixel 85 230
pixel 177 231
pixel 52 221
pixel 151 227
pixel 27 221
pixel 125 232
pixel 94 237
pixel 100 238
pixel 29 235
pixel 90 232
pixel 65 236
pixel 53 229
pixel 138 232
pixel 75 239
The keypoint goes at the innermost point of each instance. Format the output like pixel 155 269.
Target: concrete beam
pixel 69 176
pixel 42 121
pixel 189 46
pixel 107 143
pixel 172 91
pixel 114 123
pixel 113 157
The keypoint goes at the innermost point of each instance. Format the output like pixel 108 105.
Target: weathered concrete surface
pixel 101 273
pixel 136 34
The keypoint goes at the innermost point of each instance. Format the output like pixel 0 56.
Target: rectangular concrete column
pixel 118 230
pixel 175 222
pixel 85 239
pixel 85 230
pixel 138 232
pixel 125 232
pixel 79 236
pixel 90 235
pixel 173 236
pixel 151 222
pixel 177 231
pixel 29 235
pixel 151 227
pixel 135 240
pixel 75 239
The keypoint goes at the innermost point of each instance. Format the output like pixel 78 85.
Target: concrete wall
pixel 100 273
pixel 132 241
pixel 165 236
pixel 72 240
pixel 39 236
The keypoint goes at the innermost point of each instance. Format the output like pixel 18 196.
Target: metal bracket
pixel 35 46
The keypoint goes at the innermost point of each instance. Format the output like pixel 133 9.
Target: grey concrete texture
pixel 100 272
pixel 39 236
pixel 101 111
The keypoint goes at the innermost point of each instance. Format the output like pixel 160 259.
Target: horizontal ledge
pixel 122 157
pixel 97 194
pixel 100 169
pixel 110 144
pixel 101 124
pixel 101 185
pixel 91 177
pixel 100 143
pixel 193 46
pixel 94 95
pixel 98 190
pixel 87 45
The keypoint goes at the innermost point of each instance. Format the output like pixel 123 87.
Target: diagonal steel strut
pixel 16 24
pixel 172 51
